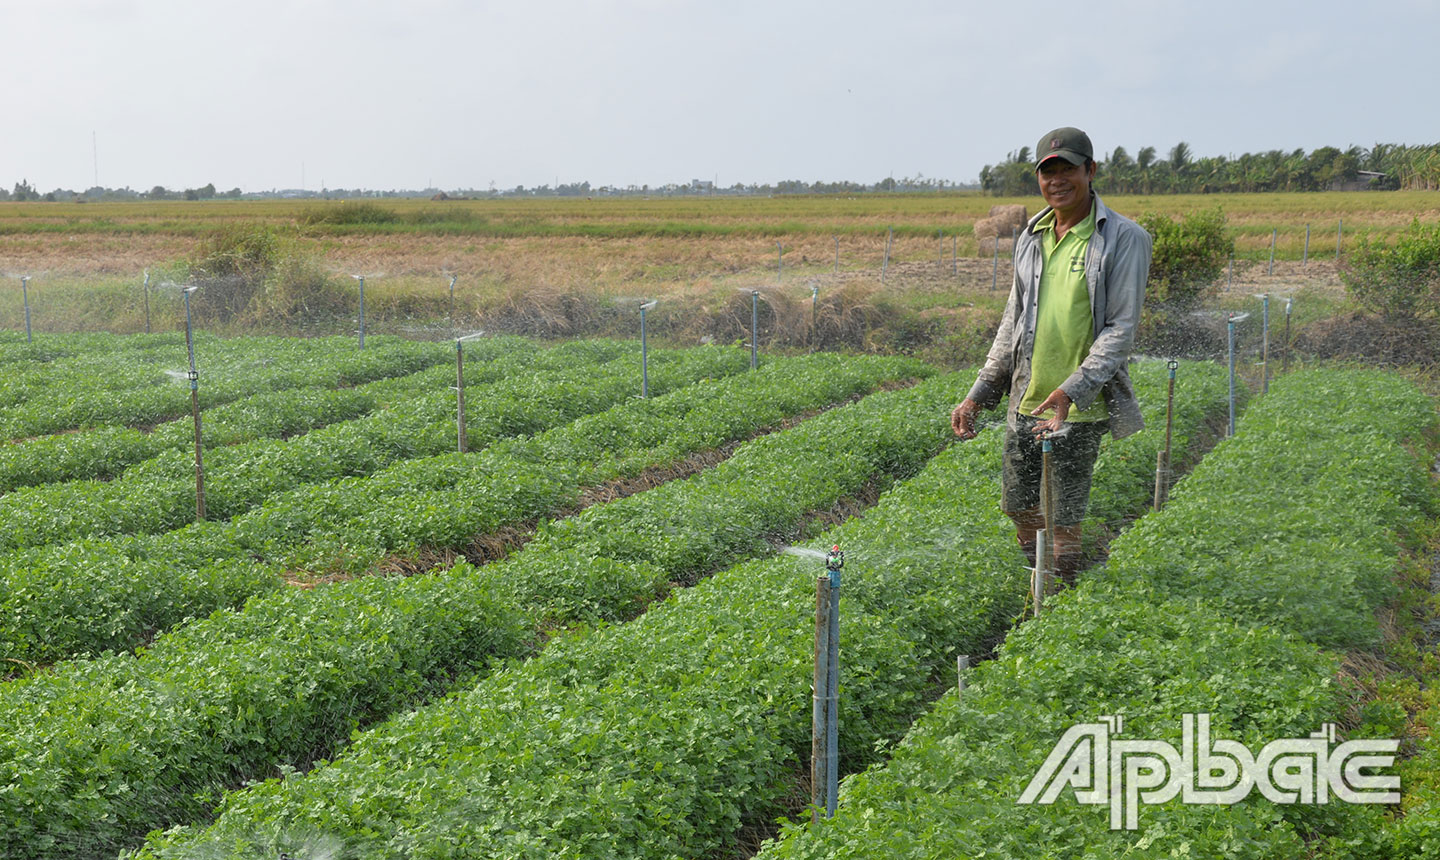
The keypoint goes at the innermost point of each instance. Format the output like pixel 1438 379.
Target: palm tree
pixel 1143 159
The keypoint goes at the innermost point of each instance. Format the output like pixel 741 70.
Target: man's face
pixel 1065 185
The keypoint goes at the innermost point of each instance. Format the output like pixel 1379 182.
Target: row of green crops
pixel 99 751
pixel 1284 538
pixel 105 594
pixel 52 347
pixel 147 385
pixel 159 494
pixel 663 736
pixel 103 453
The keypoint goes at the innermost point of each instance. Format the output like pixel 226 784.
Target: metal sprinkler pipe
pixel 1039 576
pixel 194 377
pixel 834 562
pixel 819 711
pixel 1265 343
pixel 1043 554
pixel 361 279
pixel 1230 325
pixel 462 436
pixel 1162 464
pixel 25 296
pixel 452 298
pixel 885 263
pixel 1285 362
pixel 814 313
pixel 644 351
pixel 146 287
pixel 754 329
pixel 995 264
pixel 461 442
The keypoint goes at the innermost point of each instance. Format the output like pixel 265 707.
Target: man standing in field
pixel 1062 346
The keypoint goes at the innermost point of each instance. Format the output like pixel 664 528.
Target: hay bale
pixel 1010 215
pixel 988 228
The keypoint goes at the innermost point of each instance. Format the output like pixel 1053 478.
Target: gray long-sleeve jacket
pixel 1117 265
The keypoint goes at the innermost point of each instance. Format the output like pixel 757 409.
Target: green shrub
pixel 1400 280
pixel 231 266
pixel 299 287
pixel 349 213
pixel 1189 255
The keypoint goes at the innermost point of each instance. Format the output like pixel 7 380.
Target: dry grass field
pixel 562 267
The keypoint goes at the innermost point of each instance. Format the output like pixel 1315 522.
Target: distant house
pixel 1364 181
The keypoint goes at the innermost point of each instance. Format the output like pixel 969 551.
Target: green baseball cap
pixel 1068 143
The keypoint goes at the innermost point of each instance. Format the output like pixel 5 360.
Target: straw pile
pixel 1002 223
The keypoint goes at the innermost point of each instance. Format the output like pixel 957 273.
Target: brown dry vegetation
pixel 561 268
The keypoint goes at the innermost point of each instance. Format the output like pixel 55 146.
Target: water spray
pixel 452 298
pixel 461 436
pixel 25 296
pixel 645 349
pixel 1162 460
pixel 825 713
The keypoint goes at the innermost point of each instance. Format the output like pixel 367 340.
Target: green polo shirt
pixel 1064 325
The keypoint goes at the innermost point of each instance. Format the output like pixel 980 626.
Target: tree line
pixel 1384 166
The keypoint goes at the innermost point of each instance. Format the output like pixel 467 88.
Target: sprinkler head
pixel 1173 366
pixel 650 305
pixel 835 559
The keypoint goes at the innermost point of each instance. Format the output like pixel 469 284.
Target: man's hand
pixel 1060 402
pixel 962 420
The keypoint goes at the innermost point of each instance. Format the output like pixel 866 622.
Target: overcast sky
pixel 265 94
